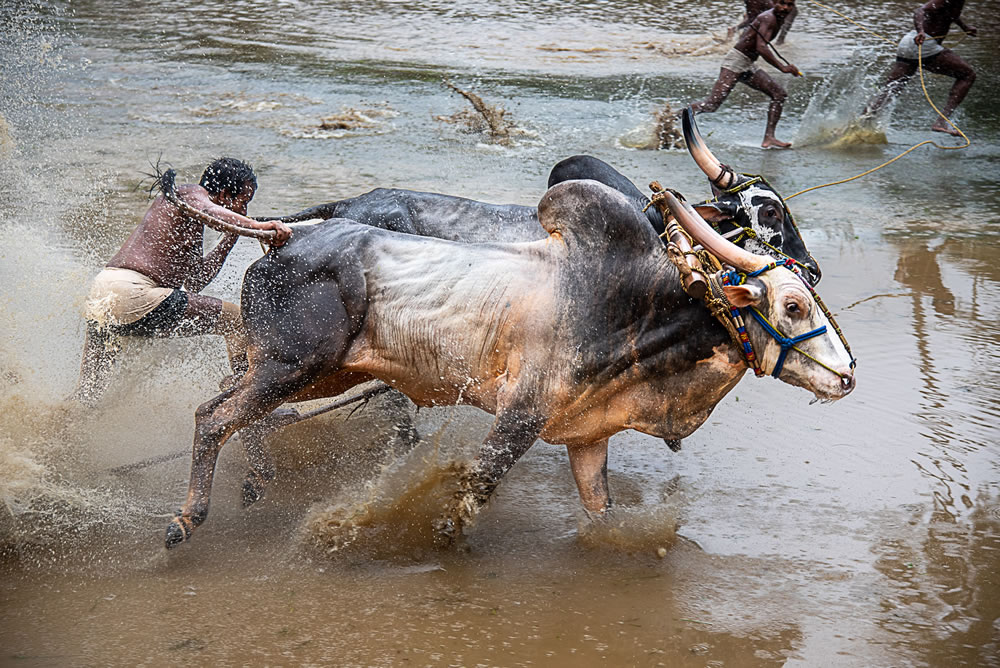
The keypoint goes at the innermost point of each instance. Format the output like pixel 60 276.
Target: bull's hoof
pixel 178 531
pixel 253 491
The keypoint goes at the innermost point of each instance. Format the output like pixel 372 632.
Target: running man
pixel 739 65
pixel 139 291
pixel 932 22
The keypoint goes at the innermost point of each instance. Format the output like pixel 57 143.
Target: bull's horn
pixel 720 175
pixel 711 240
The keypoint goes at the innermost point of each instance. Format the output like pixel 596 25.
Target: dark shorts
pixel 167 319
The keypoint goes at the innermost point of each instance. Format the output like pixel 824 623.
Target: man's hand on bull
pixel 282 232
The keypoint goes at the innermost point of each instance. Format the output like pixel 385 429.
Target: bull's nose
pixel 848 383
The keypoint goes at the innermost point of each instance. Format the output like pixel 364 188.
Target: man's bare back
pixel 167 245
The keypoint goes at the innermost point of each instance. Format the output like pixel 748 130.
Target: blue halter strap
pixel 736 278
pixel 785 342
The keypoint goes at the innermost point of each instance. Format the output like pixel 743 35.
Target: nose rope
pixel 791 264
pixel 789 343
pixel 736 325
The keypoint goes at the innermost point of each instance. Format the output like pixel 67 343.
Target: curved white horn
pixel 721 176
pixel 711 240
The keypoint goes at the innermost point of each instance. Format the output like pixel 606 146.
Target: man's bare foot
pixel 771 142
pixel 942 126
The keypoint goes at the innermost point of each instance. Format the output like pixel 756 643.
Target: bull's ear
pixel 742 296
pixel 716 212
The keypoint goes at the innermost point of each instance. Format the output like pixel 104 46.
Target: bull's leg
pixel 256 395
pixel 514 431
pixel 590 470
pixel 262 469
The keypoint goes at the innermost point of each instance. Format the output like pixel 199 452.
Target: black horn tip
pixel 689 127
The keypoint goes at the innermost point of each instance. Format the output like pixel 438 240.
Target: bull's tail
pixel 166 184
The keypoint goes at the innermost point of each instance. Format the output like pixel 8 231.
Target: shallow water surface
pixel 862 533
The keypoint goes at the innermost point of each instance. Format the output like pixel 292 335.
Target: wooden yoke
pixel 679 248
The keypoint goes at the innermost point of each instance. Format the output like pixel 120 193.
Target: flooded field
pixel 861 533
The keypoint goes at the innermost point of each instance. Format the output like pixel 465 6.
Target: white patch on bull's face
pixel 783 288
pixel 765 234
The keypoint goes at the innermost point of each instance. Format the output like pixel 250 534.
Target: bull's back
pixel 440 216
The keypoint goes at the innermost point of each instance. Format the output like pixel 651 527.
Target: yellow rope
pixel 831 9
pixel 923 85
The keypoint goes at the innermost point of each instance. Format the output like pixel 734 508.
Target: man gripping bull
pixel 139 293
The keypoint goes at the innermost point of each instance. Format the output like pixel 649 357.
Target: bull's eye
pixel 793 307
pixel 771 212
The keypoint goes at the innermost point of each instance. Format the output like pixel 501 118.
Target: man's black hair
pixel 227 174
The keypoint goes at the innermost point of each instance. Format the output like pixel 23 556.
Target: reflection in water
pixel 946 598
pixel 944 410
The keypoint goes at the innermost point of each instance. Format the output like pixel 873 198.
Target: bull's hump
pixel 592 218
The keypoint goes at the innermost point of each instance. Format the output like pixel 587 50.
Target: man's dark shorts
pixel 167 319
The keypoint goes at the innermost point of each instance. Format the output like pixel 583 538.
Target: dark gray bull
pixel 570 339
pixel 739 206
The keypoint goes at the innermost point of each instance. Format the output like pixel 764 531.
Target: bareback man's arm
pixel 211 264
pixel 768 25
pixel 918 21
pixel 966 28
pixel 229 216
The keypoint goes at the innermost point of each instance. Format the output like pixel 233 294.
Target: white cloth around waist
pixel 908 47
pixel 738 62
pixel 122 296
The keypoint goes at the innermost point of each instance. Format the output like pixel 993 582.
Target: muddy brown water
pixel 862 533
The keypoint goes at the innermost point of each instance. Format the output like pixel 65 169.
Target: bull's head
pixel 788 328
pixel 748 207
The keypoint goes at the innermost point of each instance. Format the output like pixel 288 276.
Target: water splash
pixel 832 118
pixel 393 516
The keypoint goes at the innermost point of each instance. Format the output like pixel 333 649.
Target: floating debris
pixel 487 119
pixel 228 104
pixel 662 133
pixel 666 133
pixel 352 119
pixel 715 43
pixel 348 122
